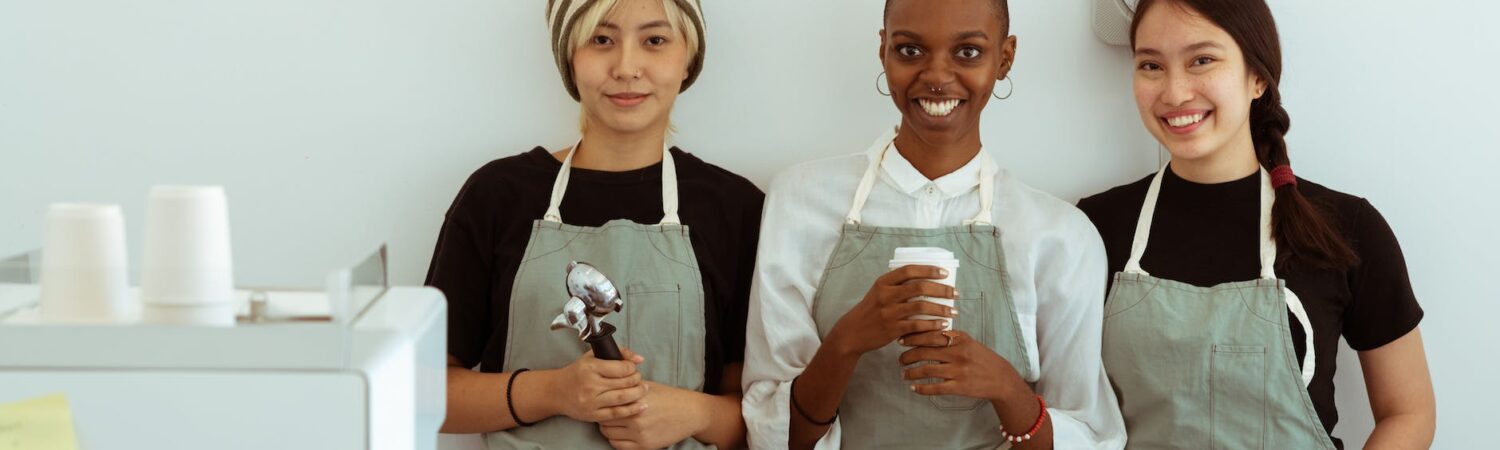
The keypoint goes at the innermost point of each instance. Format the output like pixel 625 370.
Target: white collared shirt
pixel 1053 258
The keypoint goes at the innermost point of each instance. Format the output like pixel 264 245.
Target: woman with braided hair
pixel 1199 356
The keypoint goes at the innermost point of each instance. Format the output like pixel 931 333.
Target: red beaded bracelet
pixel 1034 428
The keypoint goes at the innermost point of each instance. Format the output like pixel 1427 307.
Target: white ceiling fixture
pixel 1112 20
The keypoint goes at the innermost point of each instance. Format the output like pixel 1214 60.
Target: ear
pixel 1007 57
pixel 881 51
pixel 1260 86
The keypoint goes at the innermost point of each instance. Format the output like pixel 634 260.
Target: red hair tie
pixel 1281 176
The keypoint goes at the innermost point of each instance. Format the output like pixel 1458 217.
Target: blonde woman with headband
pixel 674 234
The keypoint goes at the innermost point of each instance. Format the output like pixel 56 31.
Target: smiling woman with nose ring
pixel 674 234
pixel 990 337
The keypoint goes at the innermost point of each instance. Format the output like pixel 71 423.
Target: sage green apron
pixel 1209 367
pixel 879 410
pixel 657 272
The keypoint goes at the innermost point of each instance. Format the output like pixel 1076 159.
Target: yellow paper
pixel 43 423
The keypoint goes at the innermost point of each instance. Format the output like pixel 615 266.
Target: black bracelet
pixel 509 386
pixel 792 392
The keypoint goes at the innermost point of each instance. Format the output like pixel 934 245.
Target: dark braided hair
pixel 1302 231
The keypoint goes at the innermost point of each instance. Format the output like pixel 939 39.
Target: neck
pixel 935 159
pixel 611 151
pixel 1235 161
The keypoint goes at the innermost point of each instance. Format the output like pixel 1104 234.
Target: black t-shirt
pixel 1207 234
pixel 486 231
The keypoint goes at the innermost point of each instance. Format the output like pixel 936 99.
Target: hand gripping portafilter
pixel 592 296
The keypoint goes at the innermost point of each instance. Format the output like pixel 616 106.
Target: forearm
pixel 1402 431
pixel 819 390
pixel 726 427
pixel 476 401
pixel 1018 410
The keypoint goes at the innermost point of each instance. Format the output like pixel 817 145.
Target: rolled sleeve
pixel 1085 413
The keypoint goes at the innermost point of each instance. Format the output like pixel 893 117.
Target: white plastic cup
pixel 83 277
pixel 186 273
pixel 930 256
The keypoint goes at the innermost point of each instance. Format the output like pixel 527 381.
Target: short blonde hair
pixel 681 20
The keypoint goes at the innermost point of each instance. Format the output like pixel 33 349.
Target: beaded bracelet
pixel 509 387
pixel 1040 418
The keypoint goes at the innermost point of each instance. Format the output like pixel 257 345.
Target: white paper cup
pixel 186 260
pixel 930 256
pixel 83 276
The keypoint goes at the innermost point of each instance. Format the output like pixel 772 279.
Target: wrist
pixel 840 349
pixel 1012 393
pixel 704 412
pixel 542 381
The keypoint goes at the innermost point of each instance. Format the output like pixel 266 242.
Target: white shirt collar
pixel 902 175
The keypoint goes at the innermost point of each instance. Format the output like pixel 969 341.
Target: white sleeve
pixel 1070 310
pixel 780 334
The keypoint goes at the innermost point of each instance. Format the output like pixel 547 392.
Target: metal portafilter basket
pixel 591 297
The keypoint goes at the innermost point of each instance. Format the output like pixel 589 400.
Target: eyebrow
pixel 1190 48
pixel 960 36
pixel 648 25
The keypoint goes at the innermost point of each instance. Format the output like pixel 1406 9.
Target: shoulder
pixel 1039 216
pixel 1122 200
pixel 525 165
pixel 1346 208
pixel 737 187
pixel 1353 216
pixel 810 199
pixel 495 182
pixel 821 174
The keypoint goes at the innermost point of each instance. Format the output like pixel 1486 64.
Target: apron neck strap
pixel 1148 210
pixel 668 187
pixel 987 170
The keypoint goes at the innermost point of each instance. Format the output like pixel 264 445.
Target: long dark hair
pixel 1302 231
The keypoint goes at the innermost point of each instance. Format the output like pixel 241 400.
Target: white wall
pixel 336 125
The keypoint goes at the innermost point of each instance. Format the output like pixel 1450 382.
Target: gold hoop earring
pixel 1012 90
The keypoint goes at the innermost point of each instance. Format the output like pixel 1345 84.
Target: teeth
pixel 1182 121
pixel 939 109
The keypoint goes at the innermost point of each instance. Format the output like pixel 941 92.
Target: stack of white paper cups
pixel 186 275
pixel 929 256
pixel 83 266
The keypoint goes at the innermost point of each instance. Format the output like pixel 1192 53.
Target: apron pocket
pixel 1238 387
pixel 654 329
pixel 973 318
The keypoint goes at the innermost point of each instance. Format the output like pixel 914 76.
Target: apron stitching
pixel 851 258
pixel 1249 307
pixel 653 238
pixel 530 247
pixel 977 260
pixel 1153 285
pixel 1006 297
pixel 828 267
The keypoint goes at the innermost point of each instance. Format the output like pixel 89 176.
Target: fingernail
pixel 953 311
pixel 943 273
pixel 643 406
pixel 945 324
pixel 901 341
pixel 913 387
